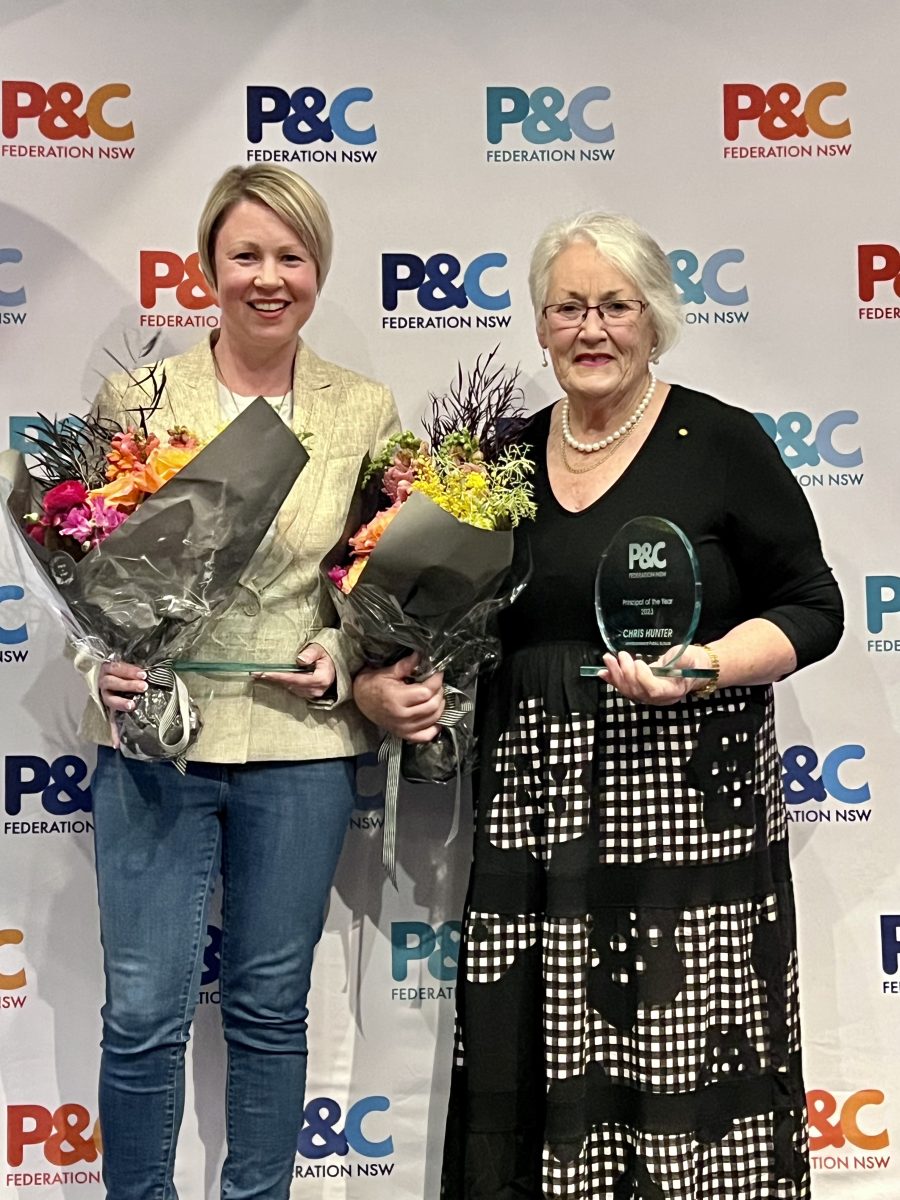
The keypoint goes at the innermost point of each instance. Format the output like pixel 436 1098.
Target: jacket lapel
pixel 314 396
pixel 194 392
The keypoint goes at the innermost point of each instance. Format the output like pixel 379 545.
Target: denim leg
pixel 157 837
pixel 284 827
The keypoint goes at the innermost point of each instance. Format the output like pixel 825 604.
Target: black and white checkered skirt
pixel 628 1024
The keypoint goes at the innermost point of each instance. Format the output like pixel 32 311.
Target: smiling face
pixel 266 280
pixel 596 363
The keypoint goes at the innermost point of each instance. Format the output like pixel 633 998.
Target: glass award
pixel 647 596
pixel 275 635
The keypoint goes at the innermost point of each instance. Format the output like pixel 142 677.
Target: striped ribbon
pixel 163 676
pixel 456 706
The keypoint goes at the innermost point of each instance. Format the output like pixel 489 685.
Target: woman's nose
pixel 268 274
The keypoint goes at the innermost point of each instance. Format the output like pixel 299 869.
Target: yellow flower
pixel 355 570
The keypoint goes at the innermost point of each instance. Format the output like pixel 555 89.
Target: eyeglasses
pixel 571 313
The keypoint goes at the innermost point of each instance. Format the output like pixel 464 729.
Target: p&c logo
pixel 12 976
pixel 326 1132
pixel 698 282
pixel 545 116
pixel 370 782
pixel 836 777
pixel 165 275
pixel 441 282
pixel 646 556
pixel 845 1125
pixel 804 444
pixel 435 946
pixel 63 1137
pixel 878 263
pixel 780 114
pixel 59 113
pixel 12 290
pixel 890 952
pixel 304 117
pixel 62 786
pixel 882 600
pixel 13 630
pixel 212 966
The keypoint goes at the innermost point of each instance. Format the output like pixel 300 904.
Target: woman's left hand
pixel 310 685
pixel 634 679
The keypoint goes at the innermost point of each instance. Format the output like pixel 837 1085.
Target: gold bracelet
pixel 711 684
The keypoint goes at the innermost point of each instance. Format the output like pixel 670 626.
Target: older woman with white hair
pixel 628 1021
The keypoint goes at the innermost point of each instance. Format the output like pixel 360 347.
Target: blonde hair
pixel 291 198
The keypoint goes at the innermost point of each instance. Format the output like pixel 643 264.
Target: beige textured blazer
pixel 285 605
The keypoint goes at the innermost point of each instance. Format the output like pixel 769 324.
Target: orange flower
pixel 124 492
pixel 366 539
pixel 162 464
pixel 128 449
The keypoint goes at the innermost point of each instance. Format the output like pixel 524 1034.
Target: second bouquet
pixel 436 558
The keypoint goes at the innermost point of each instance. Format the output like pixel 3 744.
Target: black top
pixel 712 470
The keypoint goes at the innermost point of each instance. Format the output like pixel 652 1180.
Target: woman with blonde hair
pixel 270 779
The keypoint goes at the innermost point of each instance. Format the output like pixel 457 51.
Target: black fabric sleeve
pixel 774 544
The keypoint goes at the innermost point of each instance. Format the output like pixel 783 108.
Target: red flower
pixel 63 497
pixel 37 531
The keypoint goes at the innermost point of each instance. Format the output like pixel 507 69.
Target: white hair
pixel 629 248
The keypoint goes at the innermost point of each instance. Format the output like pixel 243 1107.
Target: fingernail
pixel 142 675
pixel 144 687
pixel 130 704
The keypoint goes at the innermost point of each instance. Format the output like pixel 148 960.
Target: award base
pixel 670 672
pixel 243 668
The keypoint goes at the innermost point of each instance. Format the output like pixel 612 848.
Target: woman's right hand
pixel 409 710
pixel 119 683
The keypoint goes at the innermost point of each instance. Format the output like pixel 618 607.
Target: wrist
pixel 706 686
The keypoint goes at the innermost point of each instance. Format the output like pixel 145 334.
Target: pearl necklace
pixel 601 458
pixel 610 439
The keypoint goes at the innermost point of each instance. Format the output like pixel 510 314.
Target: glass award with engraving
pixel 647 596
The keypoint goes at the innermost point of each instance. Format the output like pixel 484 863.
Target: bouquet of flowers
pixel 138 543
pixel 435 560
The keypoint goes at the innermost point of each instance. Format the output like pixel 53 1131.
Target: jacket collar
pixel 202 412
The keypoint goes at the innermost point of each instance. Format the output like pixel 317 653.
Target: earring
pixel 544 356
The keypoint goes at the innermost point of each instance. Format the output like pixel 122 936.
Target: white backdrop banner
pixel 758 144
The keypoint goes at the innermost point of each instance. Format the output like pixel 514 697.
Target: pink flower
pixel 77 523
pixel 400 476
pixel 91 523
pixel 58 500
pixel 105 518
pixel 337 574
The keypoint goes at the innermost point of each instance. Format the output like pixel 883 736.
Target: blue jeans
pixel 276 829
